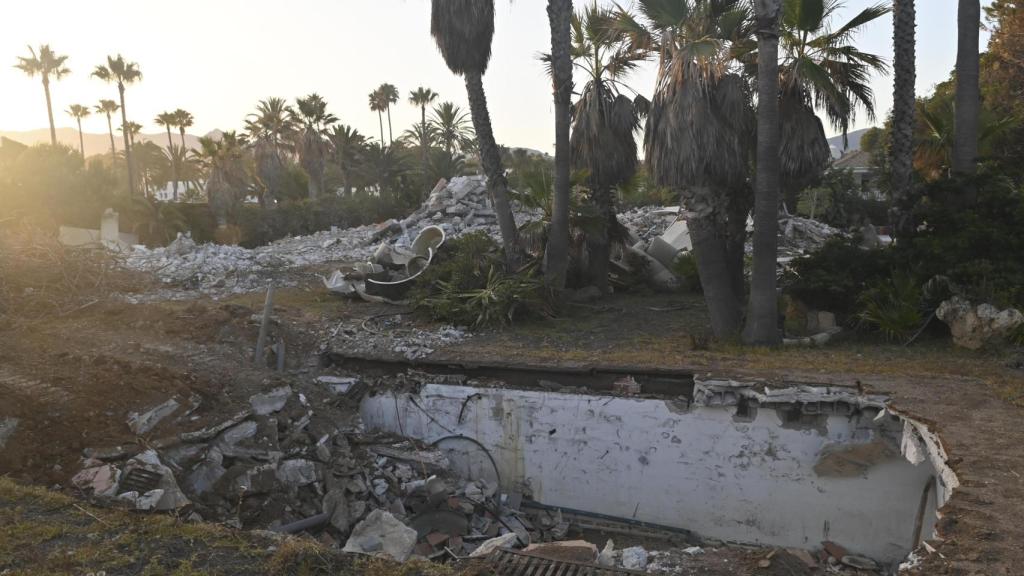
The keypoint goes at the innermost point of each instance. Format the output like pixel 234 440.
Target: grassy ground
pixel 48 533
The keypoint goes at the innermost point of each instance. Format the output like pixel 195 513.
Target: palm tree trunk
pixel 599 246
pixel 424 145
pixel 968 94
pixel 716 275
pixel 490 158
pixel 902 145
pixel 127 144
pixel 174 163
pixel 49 110
pixel 762 313
pixel 380 119
pixel 113 147
pixel 391 137
pixel 81 139
pixel 182 131
pixel 557 256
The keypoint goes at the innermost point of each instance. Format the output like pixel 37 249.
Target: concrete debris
pixel 504 541
pixel 411 344
pixel 859 562
pixel 297 473
pixel 8 425
pixel 569 550
pixel 799 236
pixel 634 558
pixel 336 504
pixel 338 385
pixel 98 480
pixel 607 555
pixel 382 533
pixel 142 423
pixel 273 401
pixel 974 327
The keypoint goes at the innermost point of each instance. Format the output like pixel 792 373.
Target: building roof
pixel 854 159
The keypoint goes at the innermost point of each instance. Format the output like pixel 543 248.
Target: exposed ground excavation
pixel 141 432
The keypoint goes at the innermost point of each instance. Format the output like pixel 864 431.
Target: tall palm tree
pixel 762 313
pixel 821 69
pixel 901 148
pixel 378 105
pixel 389 96
pixel 272 130
pixel 452 126
pixel 968 91
pixel 698 134
pixel 169 120
pixel 108 108
pixel 604 122
pixel 77 111
pixel 183 120
pixel 463 30
pixel 350 148
pixel 560 15
pixel 227 169
pixel 46 63
pixel 312 144
pixel 423 97
pixel 122 73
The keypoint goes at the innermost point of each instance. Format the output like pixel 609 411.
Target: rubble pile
pixel 648 222
pixel 458 207
pixel 799 236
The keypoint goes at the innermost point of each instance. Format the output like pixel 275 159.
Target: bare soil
pixel 71 378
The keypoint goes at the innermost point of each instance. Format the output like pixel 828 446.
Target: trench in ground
pixel 791 466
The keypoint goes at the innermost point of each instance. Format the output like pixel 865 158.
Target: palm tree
pixel 183 120
pixel 463 30
pixel 312 145
pixel 131 130
pixel 227 173
pixel 151 162
pixel 378 105
pixel 560 16
pixel 77 111
pixel 604 122
pixel 46 63
pixel 350 148
pixel 272 130
pixel 903 123
pixel 820 69
pixel 122 73
pixel 423 97
pixel 107 108
pixel 452 127
pixel 389 96
pixel 968 92
pixel 762 313
pixel 169 120
pixel 698 134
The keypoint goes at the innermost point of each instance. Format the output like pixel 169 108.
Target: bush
pixel 466 285
pixel 834 277
pixel 895 307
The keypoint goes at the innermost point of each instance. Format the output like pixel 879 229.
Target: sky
pixel 218 58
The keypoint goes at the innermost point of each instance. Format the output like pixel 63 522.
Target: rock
pixel 634 558
pixel 297 473
pixel 100 480
pixel 336 504
pixel 7 427
pixel 693 550
pixel 171 496
pixel 142 423
pixel 975 327
pixel 207 473
pixel 273 401
pixel 859 562
pixel 505 541
pixel 382 532
pixel 569 550
pixel 338 385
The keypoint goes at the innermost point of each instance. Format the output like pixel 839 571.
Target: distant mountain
pixel 853 142
pixel 97 143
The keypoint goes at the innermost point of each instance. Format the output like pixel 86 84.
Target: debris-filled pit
pixel 446 464
pixel 791 467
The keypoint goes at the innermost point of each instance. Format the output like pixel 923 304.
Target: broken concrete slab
pixel 142 423
pixel 382 533
pixel 336 504
pixel 634 558
pixel 297 473
pixel 270 402
pixel 171 497
pixel 99 480
pixel 569 550
pixel 338 385
pixel 504 541
pixel 211 431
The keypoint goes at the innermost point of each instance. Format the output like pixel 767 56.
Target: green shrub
pixel 466 285
pixel 685 268
pixel 834 277
pixel 895 307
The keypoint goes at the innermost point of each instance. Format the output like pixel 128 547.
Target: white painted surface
pixel 698 470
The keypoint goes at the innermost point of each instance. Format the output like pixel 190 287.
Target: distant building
pixel 859 162
pixel 166 194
